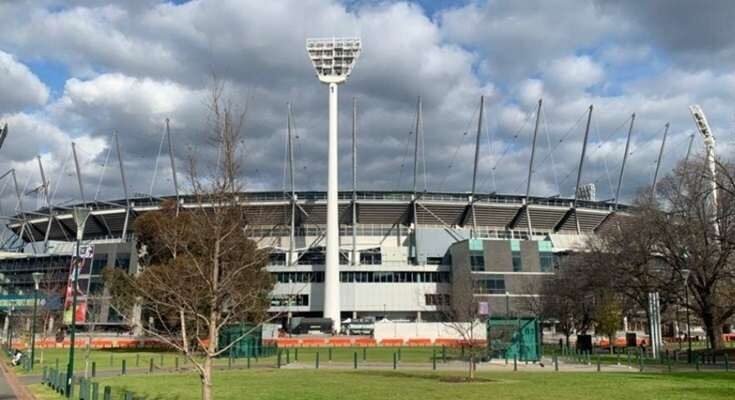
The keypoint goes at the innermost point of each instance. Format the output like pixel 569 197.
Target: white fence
pixel 428 330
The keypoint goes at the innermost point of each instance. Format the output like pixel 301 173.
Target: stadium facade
pixel 401 254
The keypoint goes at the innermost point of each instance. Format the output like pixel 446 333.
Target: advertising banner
pixel 79 266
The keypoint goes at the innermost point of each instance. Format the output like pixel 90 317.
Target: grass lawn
pixel 407 385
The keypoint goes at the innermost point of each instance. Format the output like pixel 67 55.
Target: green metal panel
pixel 514 338
pixel 515 245
pixel 475 244
pixel 251 345
pixel 545 245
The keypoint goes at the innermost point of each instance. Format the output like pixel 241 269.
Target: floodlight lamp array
pixel 333 58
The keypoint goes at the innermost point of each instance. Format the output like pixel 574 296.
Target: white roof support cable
pixel 155 168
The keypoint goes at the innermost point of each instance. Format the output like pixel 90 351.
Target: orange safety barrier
pixel 447 342
pixel 365 342
pixel 313 342
pixel 419 342
pixel 340 342
pixel 391 342
pixel 287 342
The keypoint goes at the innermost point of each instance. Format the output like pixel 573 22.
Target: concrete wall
pixel 429 330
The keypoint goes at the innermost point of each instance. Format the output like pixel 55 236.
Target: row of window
pixel 436 299
pixel 547 260
pixel 290 300
pixel 489 285
pixel 364 277
pixel 317 256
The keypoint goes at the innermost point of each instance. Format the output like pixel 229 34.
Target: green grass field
pixel 274 384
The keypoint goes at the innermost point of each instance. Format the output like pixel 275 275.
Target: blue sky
pixel 80 72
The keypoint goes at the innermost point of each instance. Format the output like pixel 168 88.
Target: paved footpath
pixel 10 388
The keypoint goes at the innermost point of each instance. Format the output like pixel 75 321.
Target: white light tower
pixel 333 59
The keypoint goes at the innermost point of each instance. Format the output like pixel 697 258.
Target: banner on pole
pixel 79 266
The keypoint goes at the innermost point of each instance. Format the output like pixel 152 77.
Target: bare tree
pixel 200 269
pixel 461 314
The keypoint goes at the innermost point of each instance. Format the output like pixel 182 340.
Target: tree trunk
pixel 471 374
pixel 206 377
pixel 714 332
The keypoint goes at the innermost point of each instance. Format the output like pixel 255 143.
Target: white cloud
pixel 20 88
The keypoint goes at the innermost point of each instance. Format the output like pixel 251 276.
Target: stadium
pixel 340 255
pixel 398 250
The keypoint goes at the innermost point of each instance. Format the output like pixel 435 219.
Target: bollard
pixel 506 358
pixel 288 356
pixel 107 393
pixel 248 361
pixel 618 358
pixel 354 362
pixel 444 353
pixel 515 362
pixel 629 365
pixel 150 366
pixel 95 390
pixel 123 367
pixel 364 354
pixel 296 354
pixel 395 360
pixel 399 353
pixel 94 369
pixel 598 363
pixel 278 360
pixel 176 363
pixel 556 363
pixel 696 361
pixel 727 363
pixel 317 360
pixel 433 358
pixel 330 354
pixel 668 363
pixel 640 364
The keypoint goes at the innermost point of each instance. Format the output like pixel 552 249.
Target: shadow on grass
pixel 444 378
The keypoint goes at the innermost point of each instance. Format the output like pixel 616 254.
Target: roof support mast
pixel 658 160
pixel 417 133
pixel 172 157
pixel 292 231
pixel 474 170
pixel 79 173
pixel 625 159
pixel 44 187
pixel 354 181
pixel 530 168
pixel 581 165
pixel 124 185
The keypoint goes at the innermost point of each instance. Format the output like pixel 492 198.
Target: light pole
pixel 507 304
pixel 685 275
pixel 80 219
pixel 333 59
pixel 36 282
pixel 10 325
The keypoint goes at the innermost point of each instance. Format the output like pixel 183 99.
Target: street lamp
pixel 80 219
pixel 685 276
pixel 36 283
pixel 333 59
pixel 507 304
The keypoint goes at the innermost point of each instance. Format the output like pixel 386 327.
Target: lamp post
pixel 36 283
pixel 685 275
pixel 80 219
pixel 10 325
pixel 333 59
pixel 507 304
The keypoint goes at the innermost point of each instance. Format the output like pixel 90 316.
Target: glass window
pixel 517 262
pixel 477 261
pixel 312 257
pixel 546 261
pixel 277 258
pixel 371 257
pixel 490 285
pixel 122 261
pixel 99 263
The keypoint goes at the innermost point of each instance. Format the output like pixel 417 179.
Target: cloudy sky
pixel 81 70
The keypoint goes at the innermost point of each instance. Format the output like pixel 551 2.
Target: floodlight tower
pixel 709 145
pixel 333 59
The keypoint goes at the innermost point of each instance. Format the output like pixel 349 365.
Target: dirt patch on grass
pixel 463 379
